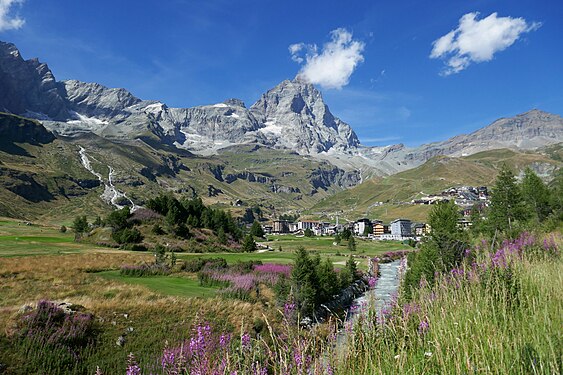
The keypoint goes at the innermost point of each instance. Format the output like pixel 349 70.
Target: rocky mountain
pixel 291 116
pixel 526 131
pixel 29 87
pixel 293 113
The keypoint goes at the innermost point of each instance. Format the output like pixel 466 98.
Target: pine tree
pixel 507 205
pixel 222 236
pixel 256 229
pixel 352 267
pixel 337 239
pixel 305 282
pixel 352 243
pixel 449 240
pixel 249 245
pixel 328 280
pixel 80 224
pixel 536 195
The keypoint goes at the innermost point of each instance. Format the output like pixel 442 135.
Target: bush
pixel 157 230
pixel 134 247
pixel 144 270
pixel 196 265
pixel 62 229
pixel 50 325
pixel 127 235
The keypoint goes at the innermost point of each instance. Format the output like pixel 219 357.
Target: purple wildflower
pixel 423 326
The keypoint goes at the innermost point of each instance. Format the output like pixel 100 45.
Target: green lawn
pixel 169 285
pixel 323 245
pixel 18 239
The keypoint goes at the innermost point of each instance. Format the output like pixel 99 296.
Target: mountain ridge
pixel 292 115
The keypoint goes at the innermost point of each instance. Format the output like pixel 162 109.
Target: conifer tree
pixel 80 224
pixel 352 243
pixel 249 245
pixel 256 229
pixel 507 205
pixel 536 195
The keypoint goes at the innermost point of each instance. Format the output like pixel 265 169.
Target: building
pixel 401 227
pixel 307 224
pixel 362 226
pixel 280 226
pixel 421 229
pixel 378 228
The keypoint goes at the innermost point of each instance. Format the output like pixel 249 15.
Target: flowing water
pixel 110 195
pixel 382 294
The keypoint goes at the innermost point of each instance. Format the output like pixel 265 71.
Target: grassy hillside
pixel 46 180
pixel 388 198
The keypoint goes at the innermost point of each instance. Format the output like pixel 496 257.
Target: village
pixel 466 198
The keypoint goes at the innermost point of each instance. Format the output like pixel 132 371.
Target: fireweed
pixel 446 327
pixel 241 285
pixel 437 332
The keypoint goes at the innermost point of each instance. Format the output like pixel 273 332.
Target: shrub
pixel 144 270
pixel 127 235
pixel 157 229
pixel 51 325
pixel 196 265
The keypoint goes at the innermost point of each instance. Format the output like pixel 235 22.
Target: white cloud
pixel 7 20
pixel 333 66
pixel 478 40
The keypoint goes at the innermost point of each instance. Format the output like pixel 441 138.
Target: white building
pixel 401 227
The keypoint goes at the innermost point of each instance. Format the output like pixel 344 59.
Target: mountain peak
pixel 235 102
pixel 296 110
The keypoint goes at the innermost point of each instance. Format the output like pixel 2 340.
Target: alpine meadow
pixel 178 198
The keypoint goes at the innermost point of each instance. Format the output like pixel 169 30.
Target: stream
pixel 382 294
pixel 110 195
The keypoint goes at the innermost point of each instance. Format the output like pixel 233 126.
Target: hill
pixel 390 197
pixel 46 177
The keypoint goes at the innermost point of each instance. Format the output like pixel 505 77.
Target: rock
pixel 120 341
pixel 294 114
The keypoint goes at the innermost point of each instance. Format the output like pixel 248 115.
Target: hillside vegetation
pixel 44 175
pixel 388 198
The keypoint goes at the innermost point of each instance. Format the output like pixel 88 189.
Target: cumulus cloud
pixel 332 67
pixel 7 20
pixel 476 41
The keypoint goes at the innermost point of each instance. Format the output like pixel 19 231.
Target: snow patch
pixel 155 107
pixel 271 127
pixel 234 115
pixel 81 119
pixel 220 105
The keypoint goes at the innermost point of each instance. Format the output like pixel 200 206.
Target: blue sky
pixel 188 53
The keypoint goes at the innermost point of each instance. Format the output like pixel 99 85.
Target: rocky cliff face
pixel 28 87
pixel 295 116
pixel 291 115
pixel 95 100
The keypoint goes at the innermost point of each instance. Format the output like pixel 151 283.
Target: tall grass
pixel 498 315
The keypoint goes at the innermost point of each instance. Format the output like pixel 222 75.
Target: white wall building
pixel 401 227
